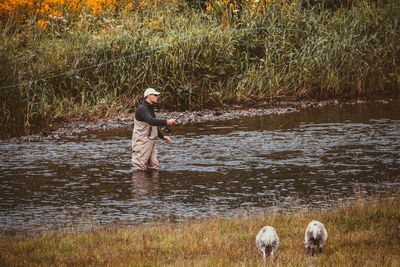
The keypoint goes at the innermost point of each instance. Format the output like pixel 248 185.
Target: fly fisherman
pixel 146 132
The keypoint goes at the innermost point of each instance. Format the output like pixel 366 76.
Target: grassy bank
pixel 363 234
pixel 94 61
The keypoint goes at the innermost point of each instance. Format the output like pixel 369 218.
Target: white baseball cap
pixel 150 91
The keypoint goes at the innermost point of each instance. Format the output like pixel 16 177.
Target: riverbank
pixel 233 112
pixel 365 232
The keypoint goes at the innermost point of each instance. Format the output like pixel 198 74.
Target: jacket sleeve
pixel 143 114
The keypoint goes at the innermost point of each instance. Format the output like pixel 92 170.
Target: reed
pixel 108 52
pixel 354 233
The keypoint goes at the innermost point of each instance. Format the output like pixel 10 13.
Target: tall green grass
pixel 290 52
pixel 363 234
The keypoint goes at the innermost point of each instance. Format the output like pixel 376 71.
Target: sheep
pixel 267 242
pixel 315 235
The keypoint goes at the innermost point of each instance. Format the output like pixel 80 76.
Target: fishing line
pixel 71 72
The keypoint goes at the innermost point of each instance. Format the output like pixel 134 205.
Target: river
pixel 315 158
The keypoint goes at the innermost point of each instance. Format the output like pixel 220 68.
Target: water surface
pixel 314 158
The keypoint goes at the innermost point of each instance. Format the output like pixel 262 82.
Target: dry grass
pixel 364 234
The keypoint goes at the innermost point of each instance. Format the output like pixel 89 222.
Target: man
pixel 146 132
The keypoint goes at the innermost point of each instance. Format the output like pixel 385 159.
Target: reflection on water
pixel 145 183
pixel 313 158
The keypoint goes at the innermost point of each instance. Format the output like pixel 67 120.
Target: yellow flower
pixel 293 4
pixel 57 8
pixel 142 4
pixel 155 25
pixel 42 25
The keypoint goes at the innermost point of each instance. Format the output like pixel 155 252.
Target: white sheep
pixel 315 235
pixel 267 241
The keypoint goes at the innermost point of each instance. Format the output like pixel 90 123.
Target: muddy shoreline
pixel 77 128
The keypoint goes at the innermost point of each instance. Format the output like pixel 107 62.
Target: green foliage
pixel 99 66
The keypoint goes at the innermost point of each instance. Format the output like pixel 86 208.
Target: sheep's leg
pixel 320 250
pixel 264 256
pixel 312 251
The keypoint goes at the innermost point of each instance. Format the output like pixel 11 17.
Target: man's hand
pixel 170 122
pixel 167 139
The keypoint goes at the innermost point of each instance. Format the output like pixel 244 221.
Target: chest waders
pixel 144 151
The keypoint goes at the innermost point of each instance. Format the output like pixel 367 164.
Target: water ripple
pixel 314 158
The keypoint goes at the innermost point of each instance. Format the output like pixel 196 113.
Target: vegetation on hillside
pixel 87 59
